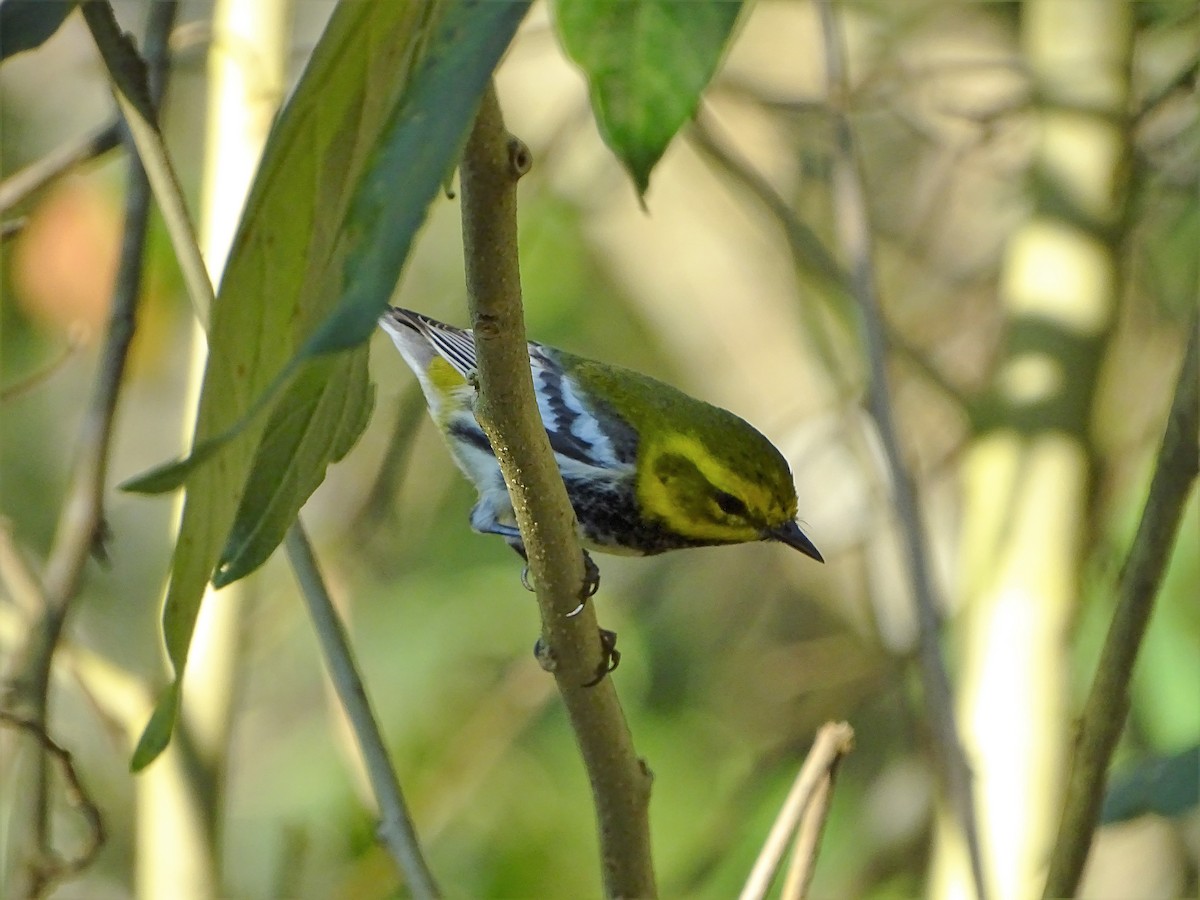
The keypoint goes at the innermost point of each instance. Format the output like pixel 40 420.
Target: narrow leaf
pixel 157 733
pixel 1166 786
pixel 25 24
pixel 317 424
pixel 292 287
pixel 647 63
pixel 127 71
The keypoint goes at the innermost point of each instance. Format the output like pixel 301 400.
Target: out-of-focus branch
pixel 802 814
pixel 809 253
pixel 1108 701
pixel 492 163
pixel 808 250
pixel 137 89
pixel 81 523
pixel 854 234
pixel 27 181
pixel 396 829
pixel 58 867
pixel 29 382
pixel 10 228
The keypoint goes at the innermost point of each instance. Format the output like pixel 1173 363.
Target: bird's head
pixel 726 492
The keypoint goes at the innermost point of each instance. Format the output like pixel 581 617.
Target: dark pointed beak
pixel 790 534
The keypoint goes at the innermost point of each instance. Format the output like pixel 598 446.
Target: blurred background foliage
pixel 732 656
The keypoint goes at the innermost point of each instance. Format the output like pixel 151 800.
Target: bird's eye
pixel 730 505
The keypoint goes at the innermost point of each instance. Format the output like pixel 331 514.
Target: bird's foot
pixel 591 584
pixel 610 656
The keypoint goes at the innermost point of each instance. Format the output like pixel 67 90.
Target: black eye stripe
pixel 730 505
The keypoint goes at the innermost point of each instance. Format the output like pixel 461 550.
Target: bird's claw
pixel 591 584
pixel 610 657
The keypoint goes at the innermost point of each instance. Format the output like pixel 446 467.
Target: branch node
pixel 545 656
pixel 486 326
pixel 520 160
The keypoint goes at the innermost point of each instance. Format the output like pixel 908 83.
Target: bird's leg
pixel 483 520
pixel 610 657
pixel 591 584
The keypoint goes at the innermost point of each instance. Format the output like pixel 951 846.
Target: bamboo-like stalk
pixel 177 822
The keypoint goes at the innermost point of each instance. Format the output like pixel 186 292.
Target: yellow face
pixel 709 499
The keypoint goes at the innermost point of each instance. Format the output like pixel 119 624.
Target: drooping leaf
pixel 647 63
pixel 318 426
pixel 292 289
pixel 25 24
pixel 1166 785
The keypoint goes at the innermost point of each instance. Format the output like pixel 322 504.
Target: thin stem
pixel 80 529
pixel 833 741
pixel 396 829
pixel 803 863
pixel 854 235
pixel 27 181
pixel 137 88
pixel 810 255
pixel 1107 704
pixel 78 796
pixel 492 162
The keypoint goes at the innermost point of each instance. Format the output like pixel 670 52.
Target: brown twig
pixel 803 863
pixel 506 408
pixel 854 234
pixel 1108 701
pixel 833 741
pixel 53 867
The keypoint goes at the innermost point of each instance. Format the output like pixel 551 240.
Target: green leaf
pixel 381 110
pixel 316 424
pixel 157 733
pixel 171 476
pixel 1165 785
pixel 25 24
pixel 646 62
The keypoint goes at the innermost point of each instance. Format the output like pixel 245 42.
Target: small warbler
pixel 646 467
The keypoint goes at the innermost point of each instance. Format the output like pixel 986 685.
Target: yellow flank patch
pixel 454 393
pixel 444 376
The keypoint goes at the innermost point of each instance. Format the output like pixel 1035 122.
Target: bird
pixel 647 468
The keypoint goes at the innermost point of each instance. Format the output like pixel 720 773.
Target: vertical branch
pixel 854 235
pixel 396 828
pixel 1108 701
pixel 80 530
pixel 492 162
